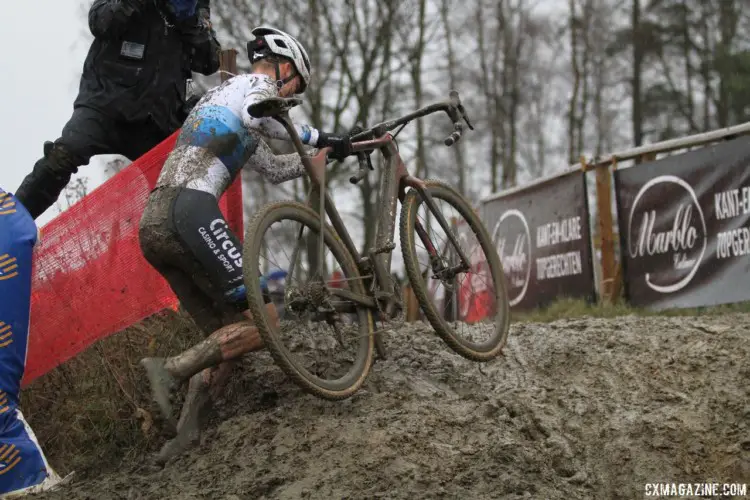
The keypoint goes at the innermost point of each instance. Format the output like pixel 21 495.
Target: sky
pixel 41 63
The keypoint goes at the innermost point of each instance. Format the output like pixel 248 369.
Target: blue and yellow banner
pixel 8 204
pixel 22 463
pixel 17 242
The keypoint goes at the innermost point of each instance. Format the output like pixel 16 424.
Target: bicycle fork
pixel 439 270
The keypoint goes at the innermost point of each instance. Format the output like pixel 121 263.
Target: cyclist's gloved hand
pixel 181 9
pixel 341 145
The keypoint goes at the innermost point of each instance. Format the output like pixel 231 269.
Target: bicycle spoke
pixel 319 336
pixel 455 272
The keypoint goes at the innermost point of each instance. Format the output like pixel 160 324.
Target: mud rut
pixel 585 408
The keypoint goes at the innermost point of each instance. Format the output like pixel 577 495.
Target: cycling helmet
pixel 268 41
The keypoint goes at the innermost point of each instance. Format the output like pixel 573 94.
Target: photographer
pixel 132 90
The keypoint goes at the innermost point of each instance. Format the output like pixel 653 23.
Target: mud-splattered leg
pixel 207 381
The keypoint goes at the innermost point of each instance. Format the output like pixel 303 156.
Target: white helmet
pixel 268 39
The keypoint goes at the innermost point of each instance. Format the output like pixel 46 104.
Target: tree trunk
pixel 512 64
pixel 458 155
pixel 493 101
pixel 586 20
pixel 573 102
pixel 501 72
pixel 686 53
pixel 728 18
pixel 636 84
pixel 416 75
pixel 706 69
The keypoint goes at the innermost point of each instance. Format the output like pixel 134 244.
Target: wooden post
pixel 606 227
pixel 412 305
pixel 227 64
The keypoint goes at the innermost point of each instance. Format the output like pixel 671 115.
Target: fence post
pixel 412 305
pixel 227 68
pixel 606 230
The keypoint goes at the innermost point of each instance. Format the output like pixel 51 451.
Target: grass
pixel 94 411
pixel 576 308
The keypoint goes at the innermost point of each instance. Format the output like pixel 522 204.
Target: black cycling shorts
pixel 184 235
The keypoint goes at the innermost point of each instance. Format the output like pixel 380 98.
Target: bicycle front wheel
pixel 467 308
pixel 323 343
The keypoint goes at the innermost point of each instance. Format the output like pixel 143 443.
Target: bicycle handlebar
pixel 279 106
pixel 452 107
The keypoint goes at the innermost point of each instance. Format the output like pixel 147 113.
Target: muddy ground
pixel 585 408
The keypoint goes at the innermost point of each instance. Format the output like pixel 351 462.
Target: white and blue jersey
pixel 219 138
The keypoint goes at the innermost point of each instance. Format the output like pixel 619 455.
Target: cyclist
pixel 185 237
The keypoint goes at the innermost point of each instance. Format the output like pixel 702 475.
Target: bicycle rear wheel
pixel 308 305
pixel 467 296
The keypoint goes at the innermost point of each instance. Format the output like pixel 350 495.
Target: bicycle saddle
pixel 273 106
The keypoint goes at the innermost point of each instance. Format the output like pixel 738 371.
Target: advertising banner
pixel 685 226
pixel 542 235
pixel 22 462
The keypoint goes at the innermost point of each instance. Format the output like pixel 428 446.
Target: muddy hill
pixel 585 408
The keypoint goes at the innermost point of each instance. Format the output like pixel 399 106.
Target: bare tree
pixel 73 193
pixel 638 55
pixel 112 167
pixel 580 48
pixel 445 9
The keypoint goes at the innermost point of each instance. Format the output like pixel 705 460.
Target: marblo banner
pixel 684 221
pixel 542 235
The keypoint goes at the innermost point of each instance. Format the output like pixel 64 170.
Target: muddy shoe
pixel 188 430
pixel 194 412
pixel 162 384
pixel 177 446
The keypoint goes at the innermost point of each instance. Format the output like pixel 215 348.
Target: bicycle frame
pixel 395 180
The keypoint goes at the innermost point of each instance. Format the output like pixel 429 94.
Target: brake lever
pixel 456 102
pixel 463 114
pixel 364 162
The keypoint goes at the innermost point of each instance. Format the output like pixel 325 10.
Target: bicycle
pixel 370 288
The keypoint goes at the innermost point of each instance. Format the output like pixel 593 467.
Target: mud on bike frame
pixel 395 180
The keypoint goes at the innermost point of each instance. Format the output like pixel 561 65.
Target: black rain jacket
pixel 139 63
